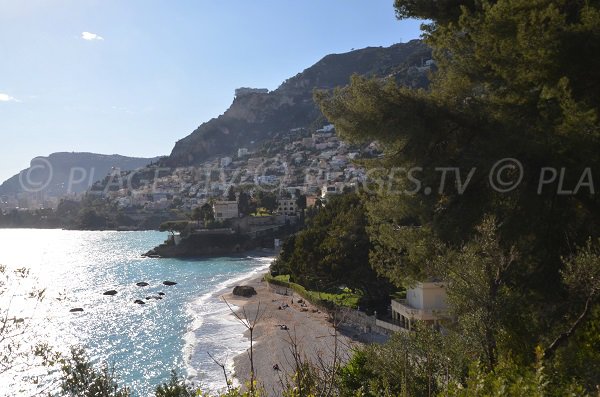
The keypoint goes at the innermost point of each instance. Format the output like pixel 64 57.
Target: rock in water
pixel 142 284
pixel 139 302
pixel 161 293
pixel 77 309
pixel 110 292
pixel 169 283
pixel 244 290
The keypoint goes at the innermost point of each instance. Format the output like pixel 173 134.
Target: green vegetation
pixel 13 320
pixel 261 212
pixel 332 253
pixel 174 226
pixel 266 200
pixel 204 213
pixel 324 299
pixel 514 79
pixel 80 378
pixel 332 71
pixel 282 278
pixel 245 204
pixel 411 364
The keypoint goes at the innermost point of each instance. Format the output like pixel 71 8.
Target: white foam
pixel 226 333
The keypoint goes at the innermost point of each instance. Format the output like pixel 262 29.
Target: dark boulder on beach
pixel 169 283
pixel 142 284
pixel 139 302
pixel 244 290
pixel 76 309
pixel 110 292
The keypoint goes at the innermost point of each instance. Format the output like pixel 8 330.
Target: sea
pixel 143 343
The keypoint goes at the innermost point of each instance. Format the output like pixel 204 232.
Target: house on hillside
pixel 425 302
pixel 225 161
pixel 311 201
pixel 287 207
pixel 224 210
pixel 308 142
pixel 328 191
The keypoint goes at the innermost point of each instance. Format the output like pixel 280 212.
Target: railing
pixel 414 311
pixel 213 231
pixel 390 326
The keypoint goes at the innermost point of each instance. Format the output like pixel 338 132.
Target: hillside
pixel 256 117
pixel 83 169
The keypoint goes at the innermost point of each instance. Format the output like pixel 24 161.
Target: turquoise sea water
pixel 144 342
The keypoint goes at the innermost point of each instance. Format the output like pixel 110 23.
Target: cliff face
pixel 256 117
pixel 253 117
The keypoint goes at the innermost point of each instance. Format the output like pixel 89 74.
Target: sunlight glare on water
pixel 144 342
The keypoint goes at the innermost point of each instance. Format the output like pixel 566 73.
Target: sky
pixel 132 77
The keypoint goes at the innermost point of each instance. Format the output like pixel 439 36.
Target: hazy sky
pixel 134 76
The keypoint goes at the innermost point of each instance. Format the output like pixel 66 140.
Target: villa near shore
pixel 425 302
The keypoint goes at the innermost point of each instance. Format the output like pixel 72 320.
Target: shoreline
pixel 308 326
pixel 198 374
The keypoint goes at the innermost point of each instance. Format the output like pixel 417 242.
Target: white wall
pixel 427 296
pixel 414 297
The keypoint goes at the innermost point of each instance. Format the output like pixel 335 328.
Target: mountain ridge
pixel 255 117
pixel 58 168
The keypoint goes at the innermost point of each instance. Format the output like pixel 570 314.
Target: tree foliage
pixel 515 79
pixel 415 364
pixel 203 213
pixel 245 203
pixel 267 200
pixel 507 86
pixel 81 379
pixel 479 297
pixel 15 318
pixel 174 226
pixel 333 251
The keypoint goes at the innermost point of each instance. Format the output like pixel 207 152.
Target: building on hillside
pixel 242 152
pixel 327 128
pixel 293 190
pixel 311 201
pixel 255 162
pixel 266 180
pixel 287 207
pixel 308 142
pixel 247 91
pixel 224 210
pixel 328 191
pixel 225 161
pixel 425 302
pixel 426 65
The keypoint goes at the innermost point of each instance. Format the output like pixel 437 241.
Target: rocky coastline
pixel 198 245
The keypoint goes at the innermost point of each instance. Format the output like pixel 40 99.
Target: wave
pixel 214 329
